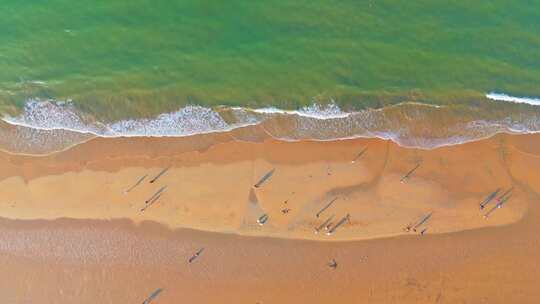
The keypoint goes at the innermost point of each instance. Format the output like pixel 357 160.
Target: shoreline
pixel 433 127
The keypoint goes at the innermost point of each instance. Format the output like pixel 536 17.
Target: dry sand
pixel 108 251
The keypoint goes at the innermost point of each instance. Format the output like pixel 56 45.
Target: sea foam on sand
pixel 409 124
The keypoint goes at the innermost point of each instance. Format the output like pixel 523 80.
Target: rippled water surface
pixel 420 73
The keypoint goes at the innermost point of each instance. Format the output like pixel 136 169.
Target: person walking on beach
pixel 333 264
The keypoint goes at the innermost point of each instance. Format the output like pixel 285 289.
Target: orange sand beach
pixel 73 219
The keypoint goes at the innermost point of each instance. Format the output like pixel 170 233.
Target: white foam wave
pixel 408 124
pixel 514 99
pixel 186 121
pixel 189 120
pixel 317 111
pixel 54 115
pixel 46 115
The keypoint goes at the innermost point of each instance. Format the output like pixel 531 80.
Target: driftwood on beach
pixel 264 178
pixel 326 207
pixel 139 181
pixel 153 180
pixel 153 296
pixel 408 175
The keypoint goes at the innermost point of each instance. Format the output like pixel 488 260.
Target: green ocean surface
pixel 119 59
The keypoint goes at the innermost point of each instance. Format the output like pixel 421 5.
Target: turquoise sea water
pixel 421 73
pixel 120 59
